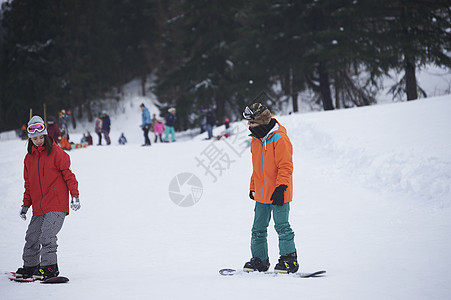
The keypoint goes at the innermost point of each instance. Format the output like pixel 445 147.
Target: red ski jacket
pixel 48 180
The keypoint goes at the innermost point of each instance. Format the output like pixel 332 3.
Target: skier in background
pixel 89 139
pixel 227 127
pixel 146 123
pixel 170 123
pixel 53 130
pixel 23 132
pixel 158 130
pixel 122 140
pixel 98 128
pixel 210 118
pixel 63 120
pixel 227 132
pixel 271 188
pixel 49 196
pixel 106 126
pixel 154 120
pixel 84 139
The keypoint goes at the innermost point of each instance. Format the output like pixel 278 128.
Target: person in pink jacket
pixel 158 130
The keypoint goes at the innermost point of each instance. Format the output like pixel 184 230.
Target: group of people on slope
pixel 103 126
pixel 157 126
pixel 209 122
pixel 148 124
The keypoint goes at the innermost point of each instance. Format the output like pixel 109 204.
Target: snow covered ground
pixel 372 206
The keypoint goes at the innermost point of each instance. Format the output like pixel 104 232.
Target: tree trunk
pixel 143 85
pixel 294 97
pixel 411 80
pixel 2 117
pixel 324 87
pixel 337 92
pixel 74 122
pixel 293 91
pixel 289 90
pixel 72 110
pixel 89 111
pixel 220 104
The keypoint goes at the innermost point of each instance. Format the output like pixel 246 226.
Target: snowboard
pixel 231 272
pixel 57 279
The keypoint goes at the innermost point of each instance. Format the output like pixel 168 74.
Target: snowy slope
pixel 371 206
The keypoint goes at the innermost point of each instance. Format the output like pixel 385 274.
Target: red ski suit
pixel 48 180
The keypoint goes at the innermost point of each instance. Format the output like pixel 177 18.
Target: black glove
pixel 277 195
pixel 251 194
pixel 23 212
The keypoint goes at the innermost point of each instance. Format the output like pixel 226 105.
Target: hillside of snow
pixel 372 206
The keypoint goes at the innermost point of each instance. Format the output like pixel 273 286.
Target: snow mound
pixel 400 147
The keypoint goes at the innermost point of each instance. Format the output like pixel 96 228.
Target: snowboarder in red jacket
pixel 48 182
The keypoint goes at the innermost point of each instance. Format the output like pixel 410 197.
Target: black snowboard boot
pixel 287 264
pixel 256 264
pixel 46 272
pixel 25 272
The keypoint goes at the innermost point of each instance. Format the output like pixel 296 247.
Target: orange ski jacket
pixel 272 162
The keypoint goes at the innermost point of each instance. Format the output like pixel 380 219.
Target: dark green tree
pixel 269 49
pixel 67 53
pixel 213 53
pixel 206 74
pixel 401 35
pixel 32 34
pixel 301 45
pixel 421 35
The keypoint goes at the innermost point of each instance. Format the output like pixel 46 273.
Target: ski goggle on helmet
pixel 253 111
pixel 36 127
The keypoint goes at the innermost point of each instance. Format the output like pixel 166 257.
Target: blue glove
pixel 75 203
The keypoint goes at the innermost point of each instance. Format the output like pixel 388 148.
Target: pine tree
pixel 403 35
pixel 203 79
pixel 29 46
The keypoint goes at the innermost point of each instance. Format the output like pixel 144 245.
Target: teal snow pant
pixel 169 131
pixel 259 244
pixel 40 240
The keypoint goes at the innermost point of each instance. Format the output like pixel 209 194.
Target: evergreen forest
pixel 216 54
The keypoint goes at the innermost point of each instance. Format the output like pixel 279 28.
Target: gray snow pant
pixel 40 240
